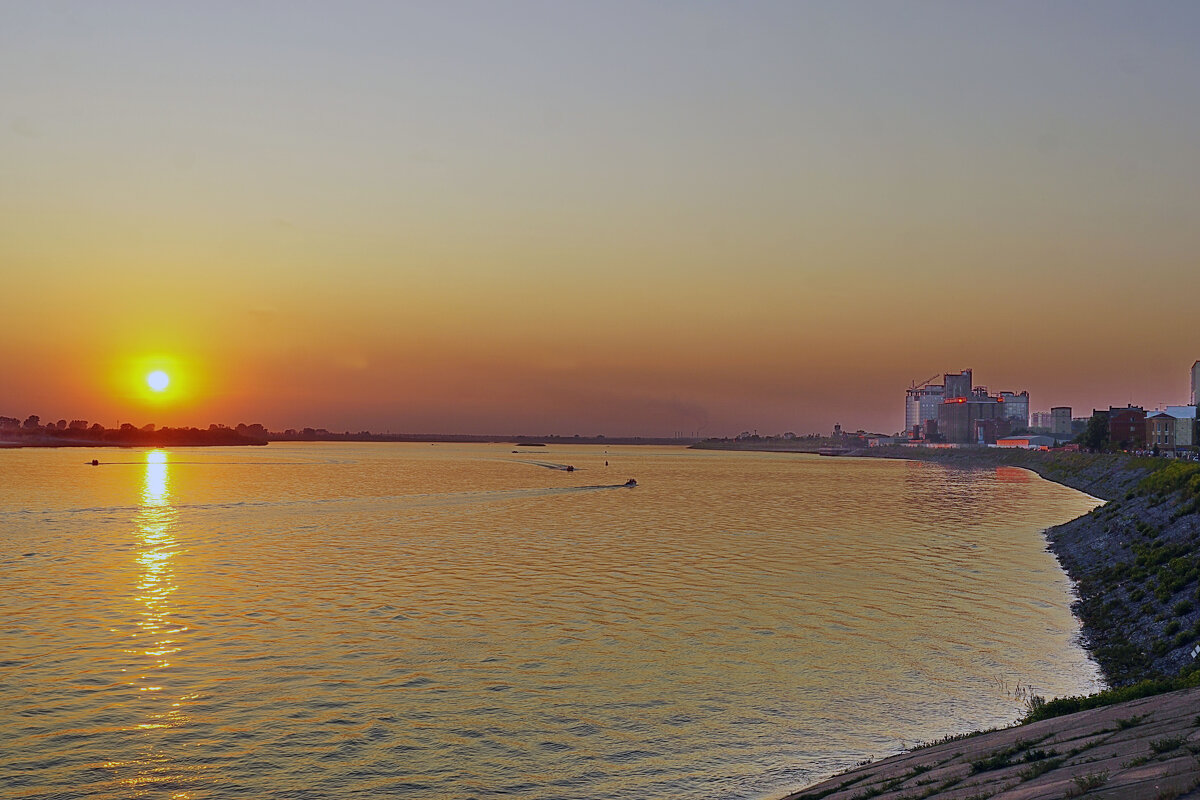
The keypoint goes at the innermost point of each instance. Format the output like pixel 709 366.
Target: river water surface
pixel 462 621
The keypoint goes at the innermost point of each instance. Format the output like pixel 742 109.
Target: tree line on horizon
pixel 33 432
pixel 78 431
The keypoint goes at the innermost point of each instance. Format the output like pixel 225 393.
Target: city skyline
pixel 628 219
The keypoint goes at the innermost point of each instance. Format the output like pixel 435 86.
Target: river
pixel 435 621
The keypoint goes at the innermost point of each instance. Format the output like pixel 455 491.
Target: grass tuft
pixel 1167 744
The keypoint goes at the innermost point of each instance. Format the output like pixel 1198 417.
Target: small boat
pixel 570 468
pixel 630 482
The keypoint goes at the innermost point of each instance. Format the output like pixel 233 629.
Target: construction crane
pixel 925 382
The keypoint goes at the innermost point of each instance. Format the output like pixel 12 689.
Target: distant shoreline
pixel 482 438
pixel 230 438
pixel 122 445
pixel 54 444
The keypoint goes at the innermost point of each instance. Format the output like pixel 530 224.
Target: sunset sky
pixel 593 217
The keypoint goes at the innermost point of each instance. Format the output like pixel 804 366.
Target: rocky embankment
pixel 1145 748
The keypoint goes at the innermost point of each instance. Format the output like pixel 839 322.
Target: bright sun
pixel 158 380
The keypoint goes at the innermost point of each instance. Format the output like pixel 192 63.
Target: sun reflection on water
pixel 154 644
pixel 157 579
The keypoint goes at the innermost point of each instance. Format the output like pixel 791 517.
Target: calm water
pixel 437 621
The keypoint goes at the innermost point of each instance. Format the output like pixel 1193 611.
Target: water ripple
pixel 377 620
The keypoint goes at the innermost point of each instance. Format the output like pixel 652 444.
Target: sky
pixel 627 218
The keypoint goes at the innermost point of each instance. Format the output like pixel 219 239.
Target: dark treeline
pixel 32 432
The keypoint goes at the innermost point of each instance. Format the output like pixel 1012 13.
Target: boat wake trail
pixel 548 465
pixel 592 488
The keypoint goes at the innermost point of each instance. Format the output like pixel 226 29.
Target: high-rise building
pixel 926 403
pixel 1196 383
pixel 921 405
pixel 958 385
pixel 1060 421
pixel 1016 407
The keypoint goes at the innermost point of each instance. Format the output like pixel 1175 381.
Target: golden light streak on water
pixel 154 641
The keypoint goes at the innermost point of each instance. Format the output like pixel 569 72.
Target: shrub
pixel 1177 476
pixel 1147 688
pixel 1040 768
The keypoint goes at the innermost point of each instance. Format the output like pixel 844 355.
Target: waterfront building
pixel 1160 430
pixel 1060 421
pixel 1031 441
pixel 1127 426
pixel 957 385
pixel 957 417
pixel 1172 429
pixel 987 431
pixel 1041 420
pixel 921 405
pixel 1016 407
pixel 926 415
pixel 876 440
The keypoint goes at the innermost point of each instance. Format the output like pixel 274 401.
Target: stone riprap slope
pixel 1147 748
pixel 1136 561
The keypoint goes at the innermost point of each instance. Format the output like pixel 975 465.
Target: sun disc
pixel 158 380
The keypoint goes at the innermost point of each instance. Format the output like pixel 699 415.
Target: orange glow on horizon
pixel 533 244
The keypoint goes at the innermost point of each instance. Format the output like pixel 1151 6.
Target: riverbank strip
pixel 1145 748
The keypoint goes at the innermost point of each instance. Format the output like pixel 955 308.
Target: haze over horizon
pixel 617 218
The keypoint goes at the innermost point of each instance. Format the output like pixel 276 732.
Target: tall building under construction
pixel 958 411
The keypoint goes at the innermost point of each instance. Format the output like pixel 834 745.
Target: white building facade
pixel 921 404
